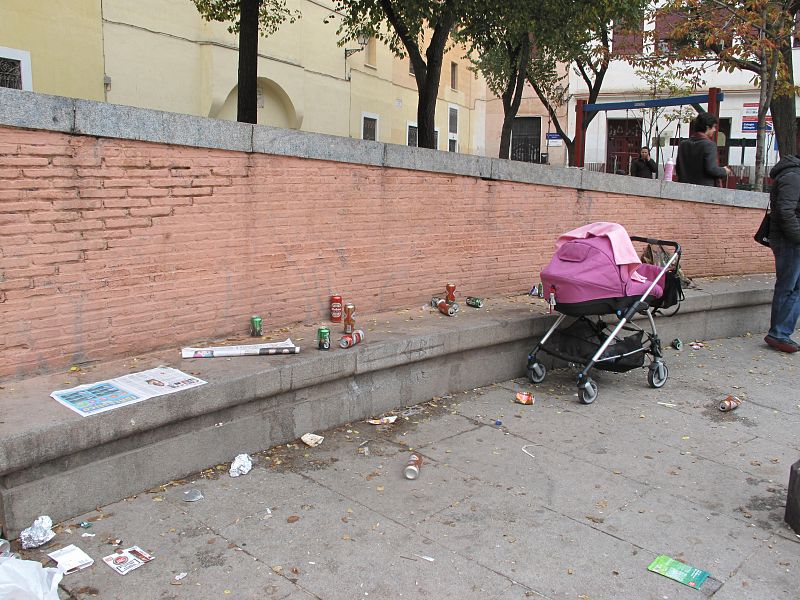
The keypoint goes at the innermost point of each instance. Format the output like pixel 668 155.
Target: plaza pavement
pixel 602 490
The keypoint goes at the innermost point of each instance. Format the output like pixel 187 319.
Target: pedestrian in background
pixel 697 157
pixel 784 240
pixel 643 165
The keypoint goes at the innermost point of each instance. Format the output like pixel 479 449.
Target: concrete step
pixel 54 462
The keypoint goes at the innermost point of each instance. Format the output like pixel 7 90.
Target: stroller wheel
pixel 657 374
pixel 587 393
pixel 536 372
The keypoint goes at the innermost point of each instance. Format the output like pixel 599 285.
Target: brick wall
pixel 109 247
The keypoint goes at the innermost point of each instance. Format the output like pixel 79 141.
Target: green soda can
pixel 255 326
pixel 324 338
pixel 474 302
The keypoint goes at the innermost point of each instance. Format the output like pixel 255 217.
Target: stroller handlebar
pixel 647 240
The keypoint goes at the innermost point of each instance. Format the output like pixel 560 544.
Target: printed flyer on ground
pixel 674 569
pixel 94 398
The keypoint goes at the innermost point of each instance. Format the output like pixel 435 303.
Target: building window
pixel 369 127
pixel 412 137
pixel 526 139
pixel 453 76
pixel 452 129
pixel 10 73
pixel 410 67
pixel 15 69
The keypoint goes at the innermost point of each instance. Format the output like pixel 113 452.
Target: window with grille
pixel 369 128
pixel 10 73
pixel 413 138
pixel 452 145
pixel 452 123
pixel 453 76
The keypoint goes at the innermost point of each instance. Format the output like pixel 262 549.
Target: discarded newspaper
pixel 284 347
pixel 93 398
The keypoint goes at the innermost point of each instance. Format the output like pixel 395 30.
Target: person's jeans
pixel 786 298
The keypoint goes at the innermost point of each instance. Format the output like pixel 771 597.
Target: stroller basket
pixel 580 341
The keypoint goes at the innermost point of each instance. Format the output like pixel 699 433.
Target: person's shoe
pixel 787 346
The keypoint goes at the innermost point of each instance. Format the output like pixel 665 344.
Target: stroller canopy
pixel 586 268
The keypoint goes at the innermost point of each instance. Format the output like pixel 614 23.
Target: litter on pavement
pixel 71 559
pixel 383 420
pixel 241 465
pixel 680 572
pixel 37 534
pixel 125 561
pixel 524 398
pixel 312 439
pixel 28 579
pixel 192 495
pixel 730 403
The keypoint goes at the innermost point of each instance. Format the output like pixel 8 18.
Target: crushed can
pixel 351 339
pixel 524 398
pixel 445 308
pixel 730 403
pixel 474 302
pixel 412 466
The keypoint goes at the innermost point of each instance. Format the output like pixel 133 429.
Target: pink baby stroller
pixel 595 271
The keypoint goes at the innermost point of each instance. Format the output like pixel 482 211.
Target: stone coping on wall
pixel 30 110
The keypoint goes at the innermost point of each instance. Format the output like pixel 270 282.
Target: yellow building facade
pixel 161 54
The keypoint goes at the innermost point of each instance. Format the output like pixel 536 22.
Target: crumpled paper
pixel 37 534
pixel 241 465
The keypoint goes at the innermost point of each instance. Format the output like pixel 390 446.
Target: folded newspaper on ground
pixel 71 558
pixel 125 561
pixel 284 347
pixel 94 398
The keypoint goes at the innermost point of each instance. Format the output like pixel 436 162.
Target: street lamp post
pixel 362 40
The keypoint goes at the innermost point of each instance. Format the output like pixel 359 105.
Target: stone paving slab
pixel 607 488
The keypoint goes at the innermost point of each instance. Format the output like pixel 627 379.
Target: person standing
pixel 643 165
pixel 697 157
pixel 784 240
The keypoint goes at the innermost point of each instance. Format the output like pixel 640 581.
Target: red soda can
pixel 351 339
pixel 445 308
pixel 349 318
pixel 336 308
pixel 412 466
pixel 450 288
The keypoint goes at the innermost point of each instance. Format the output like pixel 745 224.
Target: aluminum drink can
pixel 445 308
pixel 435 301
pixel 256 326
pixel 349 318
pixel 474 302
pixel 324 338
pixel 450 288
pixel 336 308
pixel 412 466
pixel 351 339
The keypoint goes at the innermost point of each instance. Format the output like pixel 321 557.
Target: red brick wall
pixel 110 247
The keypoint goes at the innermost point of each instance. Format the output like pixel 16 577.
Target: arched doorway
pixel 275 108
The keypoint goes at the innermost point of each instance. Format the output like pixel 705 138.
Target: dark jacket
pixel 784 200
pixel 643 168
pixel 697 161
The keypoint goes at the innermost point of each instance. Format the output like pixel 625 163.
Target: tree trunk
pixel 512 95
pixel 247 101
pixel 426 108
pixel 783 109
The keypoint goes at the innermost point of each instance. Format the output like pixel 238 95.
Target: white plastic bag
pixel 27 580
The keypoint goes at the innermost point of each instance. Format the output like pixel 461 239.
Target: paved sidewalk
pixel 609 487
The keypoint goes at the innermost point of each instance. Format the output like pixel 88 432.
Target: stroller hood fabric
pixel 621 246
pixel 583 270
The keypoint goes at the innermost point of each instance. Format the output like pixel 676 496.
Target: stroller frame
pixel 657 371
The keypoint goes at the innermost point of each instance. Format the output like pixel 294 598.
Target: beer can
pixel 349 318
pixel 412 466
pixel 435 301
pixel 351 339
pixel 256 326
pixel 336 308
pixel 474 302
pixel 324 338
pixel 445 308
pixel 450 290
pixel 730 403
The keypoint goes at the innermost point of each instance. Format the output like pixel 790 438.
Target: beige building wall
pixel 60 41
pixel 161 54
